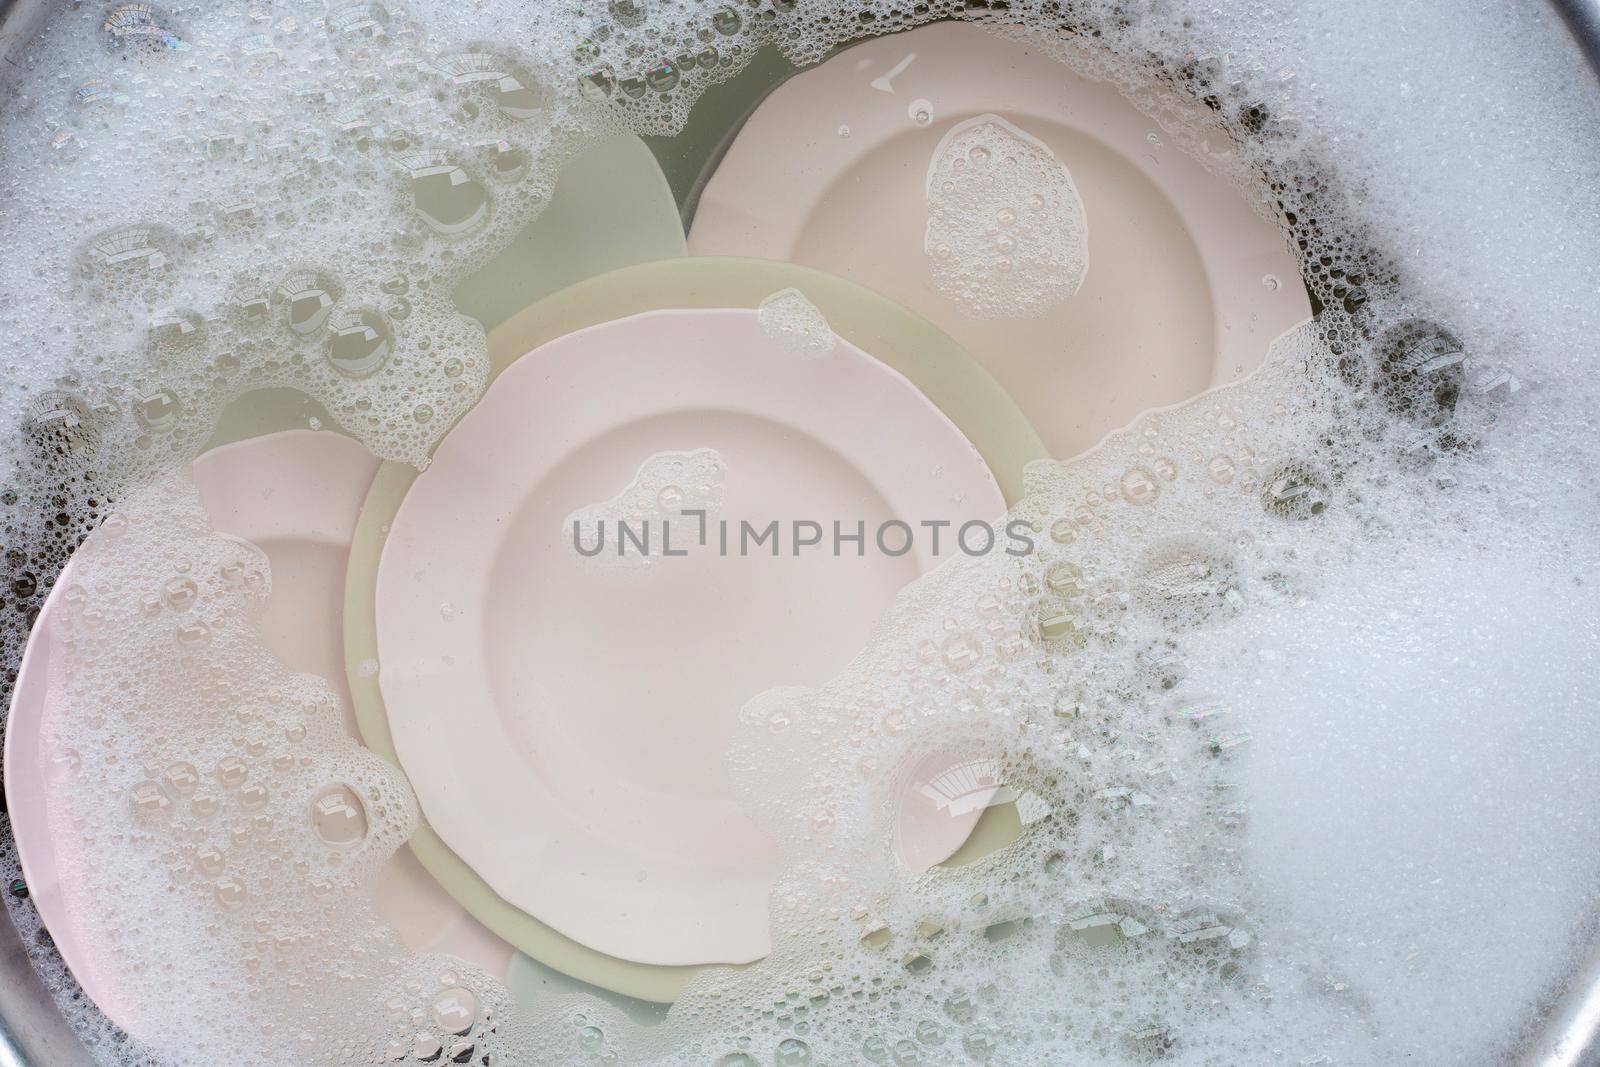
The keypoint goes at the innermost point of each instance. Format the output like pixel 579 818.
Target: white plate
pixel 1178 295
pixel 563 720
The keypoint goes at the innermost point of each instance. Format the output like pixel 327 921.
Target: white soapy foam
pixel 1369 560
pixel 1007 236
pixel 259 835
pixel 667 485
pixel 1421 842
pixel 796 323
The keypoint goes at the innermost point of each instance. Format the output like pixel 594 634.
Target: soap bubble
pixel 359 342
pixel 339 816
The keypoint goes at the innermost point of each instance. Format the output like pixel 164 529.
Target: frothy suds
pixel 667 485
pixel 1007 235
pixel 796 323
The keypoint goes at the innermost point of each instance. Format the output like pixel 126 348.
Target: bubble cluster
pixel 1007 236
pixel 263 833
pixel 795 323
pixel 666 486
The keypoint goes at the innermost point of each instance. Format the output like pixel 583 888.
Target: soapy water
pixel 795 323
pixel 1007 236
pixel 1299 679
pixel 667 485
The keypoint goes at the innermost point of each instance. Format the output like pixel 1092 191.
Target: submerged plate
pixel 563 717
pixel 930 361
pixel 611 208
pixel 1186 285
pixel 296 495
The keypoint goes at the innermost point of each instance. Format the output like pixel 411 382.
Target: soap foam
pixel 796 323
pixel 1006 236
pixel 667 485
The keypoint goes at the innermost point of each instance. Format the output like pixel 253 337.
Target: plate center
pixel 621 679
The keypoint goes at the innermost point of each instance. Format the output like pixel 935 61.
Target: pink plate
pixel 564 719
pixel 1186 285
pixel 297 495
